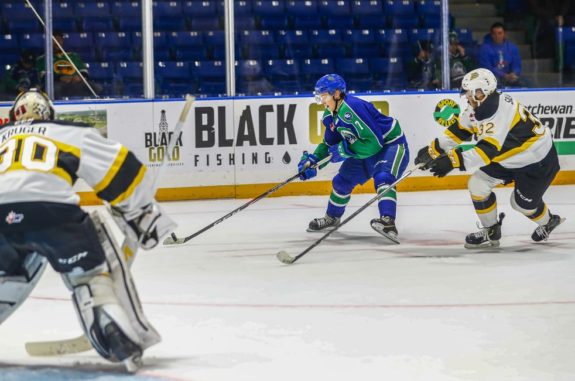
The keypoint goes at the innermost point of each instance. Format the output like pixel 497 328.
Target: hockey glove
pixel 344 150
pixel 446 162
pixel 427 154
pixel 305 166
pixel 335 156
pixel 146 226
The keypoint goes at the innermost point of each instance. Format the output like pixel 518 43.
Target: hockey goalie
pixel 41 222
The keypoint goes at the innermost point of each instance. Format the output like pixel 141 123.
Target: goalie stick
pixel 174 240
pixel 284 257
pixel 129 248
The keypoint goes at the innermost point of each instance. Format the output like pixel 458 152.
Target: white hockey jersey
pixel 506 133
pixel 41 160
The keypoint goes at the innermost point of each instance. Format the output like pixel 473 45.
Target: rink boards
pixel 242 147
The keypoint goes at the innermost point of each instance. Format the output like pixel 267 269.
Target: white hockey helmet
pixel 32 104
pixel 479 79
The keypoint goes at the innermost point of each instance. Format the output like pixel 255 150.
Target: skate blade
pixel 320 231
pixel 484 245
pixel 390 238
pixel 133 363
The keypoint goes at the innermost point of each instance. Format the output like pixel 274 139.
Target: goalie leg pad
pixel 14 289
pixel 105 321
pixel 107 294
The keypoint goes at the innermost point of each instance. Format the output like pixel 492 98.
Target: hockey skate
pixel 386 227
pixel 542 232
pixel 325 223
pixel 486 237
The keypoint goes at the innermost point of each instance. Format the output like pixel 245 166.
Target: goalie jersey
pixel 506 133
pixel 41 160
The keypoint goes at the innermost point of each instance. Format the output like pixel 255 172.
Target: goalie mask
pixel 478 79
pixel 32 105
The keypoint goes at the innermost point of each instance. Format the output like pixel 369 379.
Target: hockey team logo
pixel 14 218
pixel 446 112
pixel 347 116
pixel 348 136
pixel 157 144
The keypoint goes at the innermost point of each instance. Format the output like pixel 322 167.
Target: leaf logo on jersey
pixel 332 126
pixel 14 218
pixel 446 112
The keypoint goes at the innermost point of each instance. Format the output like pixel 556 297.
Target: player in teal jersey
pixel 370 144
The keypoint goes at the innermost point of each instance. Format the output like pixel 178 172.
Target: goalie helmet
pixel 32 105
pixel 329 83
pixel 479 79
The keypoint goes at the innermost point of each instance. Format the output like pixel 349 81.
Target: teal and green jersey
pixel 365 130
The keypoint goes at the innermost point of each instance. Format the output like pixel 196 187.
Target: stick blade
pixel 58 347
pixel 284 257
pixel 173 240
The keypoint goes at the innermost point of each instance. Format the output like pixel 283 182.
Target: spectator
pixel 549 14
pixel 501 57
pixel 459 62
pixel 22 76
pixel 67 81
pixel 424 71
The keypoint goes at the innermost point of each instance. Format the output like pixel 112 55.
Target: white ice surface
pixel 353 308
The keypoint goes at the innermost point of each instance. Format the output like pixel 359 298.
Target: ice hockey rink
pixel 353 308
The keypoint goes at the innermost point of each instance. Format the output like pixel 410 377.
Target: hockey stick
pixel 284 257
pixel 129 248
pixel 174 240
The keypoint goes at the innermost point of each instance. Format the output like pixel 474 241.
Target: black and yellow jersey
pixel 505 131
pixel 41 160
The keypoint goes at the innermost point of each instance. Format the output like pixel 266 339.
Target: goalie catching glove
pixel 447 162
pixel 429 153
pixel 146 225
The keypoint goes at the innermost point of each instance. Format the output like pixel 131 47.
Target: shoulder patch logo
pixel 347 116
pixel 446 112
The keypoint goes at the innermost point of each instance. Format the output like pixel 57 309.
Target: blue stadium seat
pixel 424 34
pixel 32 41
pixel 215 37
pixel 9 44
pixel 130 71
pixel 430 12
pixel 175 78
pixel 307 22
pixel 205 23
pixel 200 8
pixel 274 22
pixel 241 8
pixel 245 23
pixel 126 9
pixel 103 73
pixel 329 8
pixel 362 42
pixel 282 70
pixel 97 24
pixel 65 25
pixel 167 9
pixel 258 44
pixel 401 13
pixel 23 26
pixel 353 68
pixel 301 8
pixel 325 36
pixel 389 73
pixel 63 10
pixel 92 9
pixel 268 7
pixel 82 44
pixel 569 50
pixel 368 14
pixel 114 46
pixel 294 43
pixel 465 36
pixel 17 10
pixel 313 69
pixel 249 69
pixel 188 46
pixel 211 77
pixel 339 22
pixel 130 24
pixel 166 24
